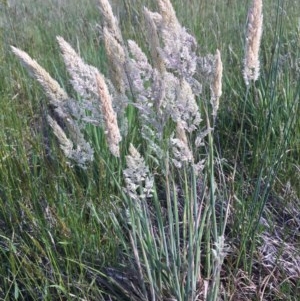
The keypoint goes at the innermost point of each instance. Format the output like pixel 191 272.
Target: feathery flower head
pixel 83 75
pixel 153 39
pixel 109 116
pixel 117 58
pixel 110 20
pixel 168 14
pixel 51 87
pixel 139 181
pixel 147 84
pixel 253 39
pixel 180 147
pixel 81 152
pixel 65 144
pixel 216 84
pixel 84 83
pixel 179 47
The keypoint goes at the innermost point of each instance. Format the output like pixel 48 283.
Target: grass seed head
pixel 216 85
pixel 253 39
pixel 117 57
pixel 168 14
pixel 65 144
pixel 110 120
pixel 110 20
pixel 153 39
pixel 51 87
pixel 83 75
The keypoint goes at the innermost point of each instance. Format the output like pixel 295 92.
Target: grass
pixel 68 233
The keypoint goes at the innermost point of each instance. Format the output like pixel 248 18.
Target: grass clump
pixel 142 185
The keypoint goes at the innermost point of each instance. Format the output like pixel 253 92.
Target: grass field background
pixel 56 230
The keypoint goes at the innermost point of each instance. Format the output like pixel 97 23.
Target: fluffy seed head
pixel 168 14
pixel 139 181
pixel 51 87
pixel 216 85
pixel 110 20
pixel 153 39
pixel 116 56
pixel 181 151
pixel 253 38
pixel 83 75
pixel 65 144
pixel 111 125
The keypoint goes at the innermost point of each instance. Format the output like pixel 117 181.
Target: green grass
pixel 60 226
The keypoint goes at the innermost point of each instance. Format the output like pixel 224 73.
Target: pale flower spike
pixel 109 116
pixel 65 144
pixel 179 47
pixel 51 87
pixel 116 57
pixel 84 83
pixel 216 85
pixel 83 75
pixel 181 150
pixel 63 107
pixel 168 14
pixel 253 38
pixel 153 39
pixel 80 151
pixel 110 20
pixel 139 181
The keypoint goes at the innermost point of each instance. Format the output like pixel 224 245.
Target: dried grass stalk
pixel 117 59
pixel 180 133
pixel 65 144
pixel 61 102
pixel 216 85
pixel 110 20
pixel 116 54
pixel 83 80
pixel 168 13
pixel 253 38
pixel 181 151
pixel 51 87
pixel 153 39
pixel 187 107
pixel 138 179
pixel 112 130
pixel 83 75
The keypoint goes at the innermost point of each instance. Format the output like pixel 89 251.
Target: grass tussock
pixel 147 165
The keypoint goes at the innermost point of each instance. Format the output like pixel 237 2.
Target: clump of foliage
pixel 172 205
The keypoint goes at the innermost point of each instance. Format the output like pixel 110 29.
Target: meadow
pixel 140 159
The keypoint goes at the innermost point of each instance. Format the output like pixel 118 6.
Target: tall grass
pixel 183 210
